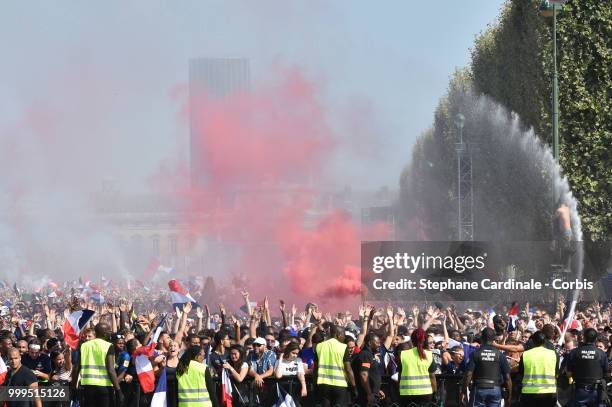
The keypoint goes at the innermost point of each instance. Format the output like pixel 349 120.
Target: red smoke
pixel 263 156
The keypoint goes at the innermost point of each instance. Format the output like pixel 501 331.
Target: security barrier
pixel 447 395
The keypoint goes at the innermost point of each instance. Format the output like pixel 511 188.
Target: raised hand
pixel 293 310
pixel 430 310
pixel 370 310
pixel 187 307
pixel 389 312
pixel 152 315
pixel 199 313
pixel 245 294
pixel 282 306
pixel 221 309
pixel 266 303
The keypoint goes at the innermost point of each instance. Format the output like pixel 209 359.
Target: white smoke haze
pixel 87 97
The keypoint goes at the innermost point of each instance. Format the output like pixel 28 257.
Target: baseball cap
pixel 259 341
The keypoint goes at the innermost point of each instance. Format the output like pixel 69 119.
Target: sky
pixel 100 83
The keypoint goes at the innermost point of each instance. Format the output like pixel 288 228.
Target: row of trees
pixel 511 65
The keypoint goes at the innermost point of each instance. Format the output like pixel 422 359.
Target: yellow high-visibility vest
pixel 192 391
pixel 415 380
pixel 539 371
pixel 93 363
pixel 330 368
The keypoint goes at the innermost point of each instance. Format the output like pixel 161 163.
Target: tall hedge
pixel 511 63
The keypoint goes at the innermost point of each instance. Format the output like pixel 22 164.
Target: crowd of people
pixel 264 355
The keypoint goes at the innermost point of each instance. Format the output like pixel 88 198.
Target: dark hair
pixel 219 336
pixel 418 339
pixel 538 338
pixel 131 345
pixel 337 332
pixel 34 341
pixel 291 346
pixel 183 364
pixel 206 333
pixel 369 338
pixel 549 331
pixel 54 355
pixel 487 335
pixel 240 360
pixel 318 337
pixel 589 335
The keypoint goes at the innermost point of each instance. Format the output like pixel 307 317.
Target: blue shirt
pixel 307 356
pixel 122 361
pixel 265 363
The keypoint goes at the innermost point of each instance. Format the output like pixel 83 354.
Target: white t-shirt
pixel 290 368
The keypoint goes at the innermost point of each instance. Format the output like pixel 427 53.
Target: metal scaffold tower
pixel 465 200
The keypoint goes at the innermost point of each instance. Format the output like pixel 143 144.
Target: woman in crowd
pixel 192 377
pixel 61 372
pixel 289 366
pixel 417 381
pixel 237 368
pixel 172 360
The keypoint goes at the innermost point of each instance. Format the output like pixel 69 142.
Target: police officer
pixel 96 365
pixel 539 367
pixel 588 365
pixel 333 373
pixel 192 376
pixel 417 383
pixel 486 369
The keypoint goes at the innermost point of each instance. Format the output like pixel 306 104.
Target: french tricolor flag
pixel 3 371
pixel 159 397
pixel 179 295
pixel 144 369
pixel 74 325
pixel 226 384
pixel 513 317
pixel 155 266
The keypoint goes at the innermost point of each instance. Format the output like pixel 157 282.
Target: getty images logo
pixel 411 263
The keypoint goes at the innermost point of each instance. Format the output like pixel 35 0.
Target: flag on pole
pixel 159 328
pixel 159 397
pixel 513 317
pixel 569 322
pixel 74 324
pixel 155 266
pixel 97 297
pixel 179 295
pixel 226 389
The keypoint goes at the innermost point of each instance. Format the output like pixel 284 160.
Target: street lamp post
pixel 550 8
pixel 459 121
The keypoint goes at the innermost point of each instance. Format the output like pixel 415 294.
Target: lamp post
pixel 550 8
pixel 459 121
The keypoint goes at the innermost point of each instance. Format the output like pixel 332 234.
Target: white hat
pixel 259 341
